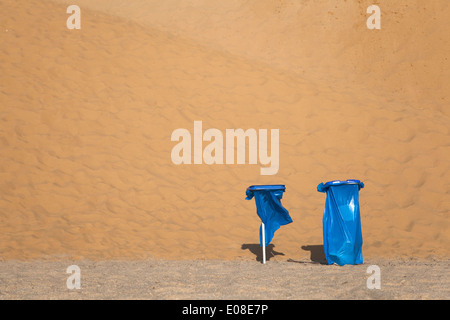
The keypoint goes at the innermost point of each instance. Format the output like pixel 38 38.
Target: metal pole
pixel 263 243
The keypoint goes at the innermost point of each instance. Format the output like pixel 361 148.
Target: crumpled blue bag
pixel 269 209
pixel 342 237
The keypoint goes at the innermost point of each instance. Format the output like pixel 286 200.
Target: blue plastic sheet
pixel 269 208
pixel 342 237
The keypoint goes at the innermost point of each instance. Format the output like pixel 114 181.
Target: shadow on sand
pixel 317 254
pixel 256 249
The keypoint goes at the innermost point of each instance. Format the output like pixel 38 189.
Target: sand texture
pixel 86 118
pixel 219 279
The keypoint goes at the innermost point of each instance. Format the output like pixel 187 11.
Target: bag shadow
pixel 256 249
pixel 317 253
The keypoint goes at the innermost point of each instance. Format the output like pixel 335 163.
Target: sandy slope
pixel 87 115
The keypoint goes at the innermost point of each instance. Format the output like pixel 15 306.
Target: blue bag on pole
pixel 269 208
pixel 342 237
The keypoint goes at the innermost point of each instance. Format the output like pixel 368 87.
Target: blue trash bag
pixel 342 237
pixel 269 209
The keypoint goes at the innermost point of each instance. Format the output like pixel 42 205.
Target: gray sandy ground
pixel 214 279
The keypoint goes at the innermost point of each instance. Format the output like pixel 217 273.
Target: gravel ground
pixel 217 280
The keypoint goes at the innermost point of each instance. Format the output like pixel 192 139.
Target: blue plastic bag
pixel 269 209
pixel 342 237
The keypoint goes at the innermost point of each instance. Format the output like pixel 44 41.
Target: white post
pixel 263 243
